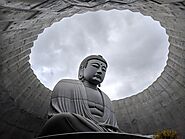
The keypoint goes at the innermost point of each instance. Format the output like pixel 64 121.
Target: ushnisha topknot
pixel 83 64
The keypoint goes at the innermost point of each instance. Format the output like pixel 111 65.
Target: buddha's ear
pixel 81 73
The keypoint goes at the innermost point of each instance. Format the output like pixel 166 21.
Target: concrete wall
pixel 24 100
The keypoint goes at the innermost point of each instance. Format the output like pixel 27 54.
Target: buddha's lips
pixel 97 76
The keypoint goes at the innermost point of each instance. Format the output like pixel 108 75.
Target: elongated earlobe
pixel 83 79
pixel 81 74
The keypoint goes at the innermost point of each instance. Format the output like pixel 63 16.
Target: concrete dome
pixel 24 100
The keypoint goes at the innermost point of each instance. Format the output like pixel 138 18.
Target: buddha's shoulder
pixel 69 81
pixel 65 87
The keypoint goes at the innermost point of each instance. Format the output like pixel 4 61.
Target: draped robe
pixel 70 96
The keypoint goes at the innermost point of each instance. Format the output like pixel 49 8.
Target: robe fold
pixel 70 96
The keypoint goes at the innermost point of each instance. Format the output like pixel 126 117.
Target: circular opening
pixel 135 47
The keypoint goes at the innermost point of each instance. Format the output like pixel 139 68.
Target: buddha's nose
pixel 99 71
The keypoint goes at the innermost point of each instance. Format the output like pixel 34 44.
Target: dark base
pixel 94 135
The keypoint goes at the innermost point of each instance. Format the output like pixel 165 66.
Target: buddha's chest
pixel 95 102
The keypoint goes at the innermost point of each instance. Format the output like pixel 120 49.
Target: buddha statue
pixel 79 105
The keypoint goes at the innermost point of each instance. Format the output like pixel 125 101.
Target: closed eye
pixel 96 65
pixel 104 69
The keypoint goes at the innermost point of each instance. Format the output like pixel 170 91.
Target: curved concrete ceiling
pixel 24 100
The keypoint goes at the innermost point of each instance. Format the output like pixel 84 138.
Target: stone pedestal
pixel 94 135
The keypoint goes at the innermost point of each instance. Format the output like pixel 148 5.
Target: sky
pixel 135 47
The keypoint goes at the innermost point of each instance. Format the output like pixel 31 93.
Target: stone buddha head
pixel 93 69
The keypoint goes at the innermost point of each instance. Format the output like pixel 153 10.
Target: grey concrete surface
pixel 24 100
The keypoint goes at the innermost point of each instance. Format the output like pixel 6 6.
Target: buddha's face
pixel 95 71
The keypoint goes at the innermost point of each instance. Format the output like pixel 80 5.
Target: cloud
pixel 134 46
